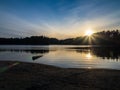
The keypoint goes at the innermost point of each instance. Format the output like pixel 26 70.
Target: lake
pixel 67 56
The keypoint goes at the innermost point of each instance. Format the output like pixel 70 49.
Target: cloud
pixel 12 23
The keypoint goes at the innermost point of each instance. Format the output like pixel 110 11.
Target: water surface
pixel 67 56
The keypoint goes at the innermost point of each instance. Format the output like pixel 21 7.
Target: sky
pixel 57 18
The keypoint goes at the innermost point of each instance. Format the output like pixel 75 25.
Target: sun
pixel 89 32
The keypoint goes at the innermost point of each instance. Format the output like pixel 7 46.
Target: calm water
pixel 64 56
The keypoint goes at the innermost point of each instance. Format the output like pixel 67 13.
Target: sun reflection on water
pixel 89 67
pixel 88 55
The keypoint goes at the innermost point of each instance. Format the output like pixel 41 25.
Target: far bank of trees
pixel 99 38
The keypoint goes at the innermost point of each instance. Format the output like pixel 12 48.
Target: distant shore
pixel 31 76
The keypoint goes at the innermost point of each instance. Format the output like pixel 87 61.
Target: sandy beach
pixel 29 76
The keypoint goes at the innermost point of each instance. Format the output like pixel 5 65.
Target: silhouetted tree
pixel 100 38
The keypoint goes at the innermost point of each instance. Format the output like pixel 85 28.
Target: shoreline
pixel 29 76
pixel 10 61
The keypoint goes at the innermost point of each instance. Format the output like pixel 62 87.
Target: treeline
pixel 108 37
pixel 33 40
pixel 99 38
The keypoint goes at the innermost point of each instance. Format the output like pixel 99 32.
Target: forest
pixel 100 38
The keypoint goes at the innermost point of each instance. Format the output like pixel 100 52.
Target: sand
pixel 29 76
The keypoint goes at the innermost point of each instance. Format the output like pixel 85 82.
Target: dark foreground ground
pixel 26 76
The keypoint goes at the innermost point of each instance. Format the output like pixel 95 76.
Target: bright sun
pixel 89 32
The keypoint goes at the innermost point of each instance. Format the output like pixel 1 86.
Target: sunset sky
pixel 57 18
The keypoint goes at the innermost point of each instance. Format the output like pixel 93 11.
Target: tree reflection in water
pixel 39 52
pixel 109 53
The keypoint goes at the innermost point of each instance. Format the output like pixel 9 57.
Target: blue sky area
pixel 57 18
